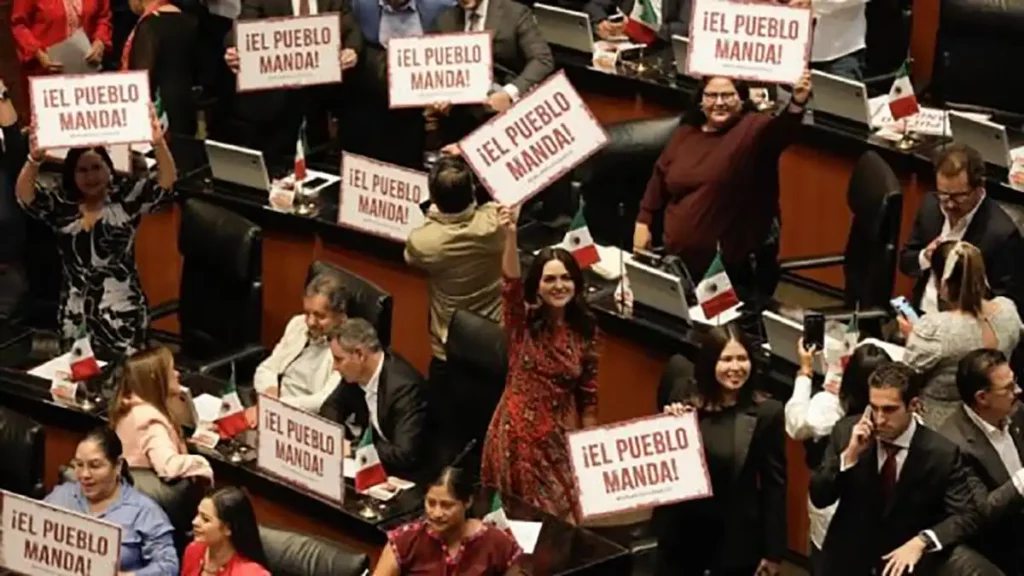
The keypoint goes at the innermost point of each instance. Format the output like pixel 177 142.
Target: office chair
pixel 366 300
pixel 294 554
pixel 220 302
pixel 23 445
pixel 677 381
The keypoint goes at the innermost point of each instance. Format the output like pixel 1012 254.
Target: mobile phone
pixel 902 307
pixel 814 330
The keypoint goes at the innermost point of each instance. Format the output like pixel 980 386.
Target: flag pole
pixel 909 140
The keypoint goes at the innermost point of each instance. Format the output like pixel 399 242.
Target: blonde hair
pixel 146 376
pixel 962 270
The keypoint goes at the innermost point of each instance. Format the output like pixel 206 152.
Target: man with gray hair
pixel 380 392
pixel 300 370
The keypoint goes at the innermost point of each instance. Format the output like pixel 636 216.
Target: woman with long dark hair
pixel 227 538
pixel 741 529
pixel 552 378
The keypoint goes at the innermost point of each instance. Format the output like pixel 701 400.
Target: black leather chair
pixel 366 300
pixel 293 554
pixel 477 354
pixel 220 303
pixel 975 41
pixel 875 199
pixel 612 181
pixel 23 446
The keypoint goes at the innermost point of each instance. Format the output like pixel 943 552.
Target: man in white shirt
pixel 840 29
pixel 988 431
pixel 300 370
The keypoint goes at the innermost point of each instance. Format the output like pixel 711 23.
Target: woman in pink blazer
pixel 142 419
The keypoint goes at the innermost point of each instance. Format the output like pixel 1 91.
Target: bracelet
pixel 33 161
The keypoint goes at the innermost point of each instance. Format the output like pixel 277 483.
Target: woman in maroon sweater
pixel 718 184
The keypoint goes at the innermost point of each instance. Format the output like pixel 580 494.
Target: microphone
pixel 465 452
pixel 622 258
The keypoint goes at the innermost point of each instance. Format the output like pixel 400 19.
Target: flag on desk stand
pixel 579 241
pixel 369 469
pixel 161 114
pixel 496 516
pixel 715 292
pixel 231 420
pixel 902 100
pixel 82 361
pixel 642 23
pixel 300 155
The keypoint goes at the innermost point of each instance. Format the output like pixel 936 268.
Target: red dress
pixel 195 554
pixel 551 379
pixel 488 552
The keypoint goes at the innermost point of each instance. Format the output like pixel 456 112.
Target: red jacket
pixel 39 24
pixel 192 563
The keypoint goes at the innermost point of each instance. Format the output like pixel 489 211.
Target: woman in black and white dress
pixel 95 214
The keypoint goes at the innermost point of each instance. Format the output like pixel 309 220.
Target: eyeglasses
pixel 954 196
pixel 724 96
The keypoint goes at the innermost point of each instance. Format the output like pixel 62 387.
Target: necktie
pixel 303 7
pixel 474 19
pixel 888 472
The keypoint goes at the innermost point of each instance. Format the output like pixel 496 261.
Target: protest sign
pixel 543 136
pixel 452 68
pixel 380 198
pixel 639 464
pixel 301 448
pixel 288 52
pixel 75 111
pixel 763 42
pixel 37 538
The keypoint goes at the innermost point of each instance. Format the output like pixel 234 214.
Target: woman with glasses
pixel 716 184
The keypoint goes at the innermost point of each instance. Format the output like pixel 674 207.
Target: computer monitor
pixel 657 289
pixel 238 165
pixel 565 28
pixel 988 138
pixel 841 97
pixel 680 51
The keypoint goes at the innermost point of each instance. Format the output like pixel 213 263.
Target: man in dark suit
pixel 522 59
pixel 382 392
pixel 902 488
pixel 673 16
pixel 960 210
pixel 270 120
pixel 988 432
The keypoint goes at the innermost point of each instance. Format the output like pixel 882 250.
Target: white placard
pixel 38 538
pixel 762 42
pixel 301 448
pixel 74 111
pixel 639 464
pixel 380 198
pixel 452 68
pixel 288 52
pixel 547 133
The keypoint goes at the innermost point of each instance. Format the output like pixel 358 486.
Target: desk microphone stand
pixel 909 140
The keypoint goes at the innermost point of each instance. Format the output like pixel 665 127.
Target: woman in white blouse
pixel 811 418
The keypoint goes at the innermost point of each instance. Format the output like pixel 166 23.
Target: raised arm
pixel 160 448
pixel 535 51
pixel 25 188
pixel 782 129
pixel 166 171
pixel 508 218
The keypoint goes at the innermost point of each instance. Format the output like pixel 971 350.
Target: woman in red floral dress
pixel 552 379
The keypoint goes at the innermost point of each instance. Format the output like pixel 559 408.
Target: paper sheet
pixel 71 54
pixel 48 370
pixel 697 315
pixel 207 407
pixel 526 534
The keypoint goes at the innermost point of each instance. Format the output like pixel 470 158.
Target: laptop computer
pixel 657 289
pixel 238 165
pixel 565 28
pixel 680 51
pixel 841 97
pixel 988 138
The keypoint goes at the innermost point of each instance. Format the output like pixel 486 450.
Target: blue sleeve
pixel 60 496
pixel 158 553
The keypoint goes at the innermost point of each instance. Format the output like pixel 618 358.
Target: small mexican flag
pixel 161 114
pixel 715 292
pixel 496 516
pixel 579 241
pixel 82 361
pixel 902 101
pixel 369 470
pixel 300 154
pixel 231 420
pixel 642 24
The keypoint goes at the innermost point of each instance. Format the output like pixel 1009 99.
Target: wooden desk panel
pixel 158 261
pixel 612 109
pixel 286 261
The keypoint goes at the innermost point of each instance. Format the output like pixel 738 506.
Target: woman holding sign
pixel 741 529
pixel 552 378
pixel 94 214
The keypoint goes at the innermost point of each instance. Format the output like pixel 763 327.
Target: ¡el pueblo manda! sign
pixel 75 111
pixel 762 42
pixel 543 136
pixel 380 198
pixel 639 464
pixel 38 538
pixel 452 68
pixel 301 448
pixel 288 52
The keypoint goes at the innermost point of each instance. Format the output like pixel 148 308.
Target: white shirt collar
pixel 985 426
pixel 903 440
pixel 371 386
pixel 481 9
pixel 966 220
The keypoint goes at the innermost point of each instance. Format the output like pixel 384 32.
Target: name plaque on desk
pixel 520 152
pixel 439 68
pixel 38 538
pixel 288 52
pixel 760 42
pixel 639 464
pixel 380 198
pixel 300 448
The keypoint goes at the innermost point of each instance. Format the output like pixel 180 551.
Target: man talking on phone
pixel 904 495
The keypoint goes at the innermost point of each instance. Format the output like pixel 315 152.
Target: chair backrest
pixel 477 354
pixel 366 300
pixel 293 554
pixel 23 446
pixel 613 181
pixel 677 381
pixel 875 199
pixel 221 296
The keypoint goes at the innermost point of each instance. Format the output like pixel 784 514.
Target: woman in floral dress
pixel 552 379
pixel 95 214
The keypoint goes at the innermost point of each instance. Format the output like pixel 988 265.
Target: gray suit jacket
pixel 675 14
pixel 521 55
